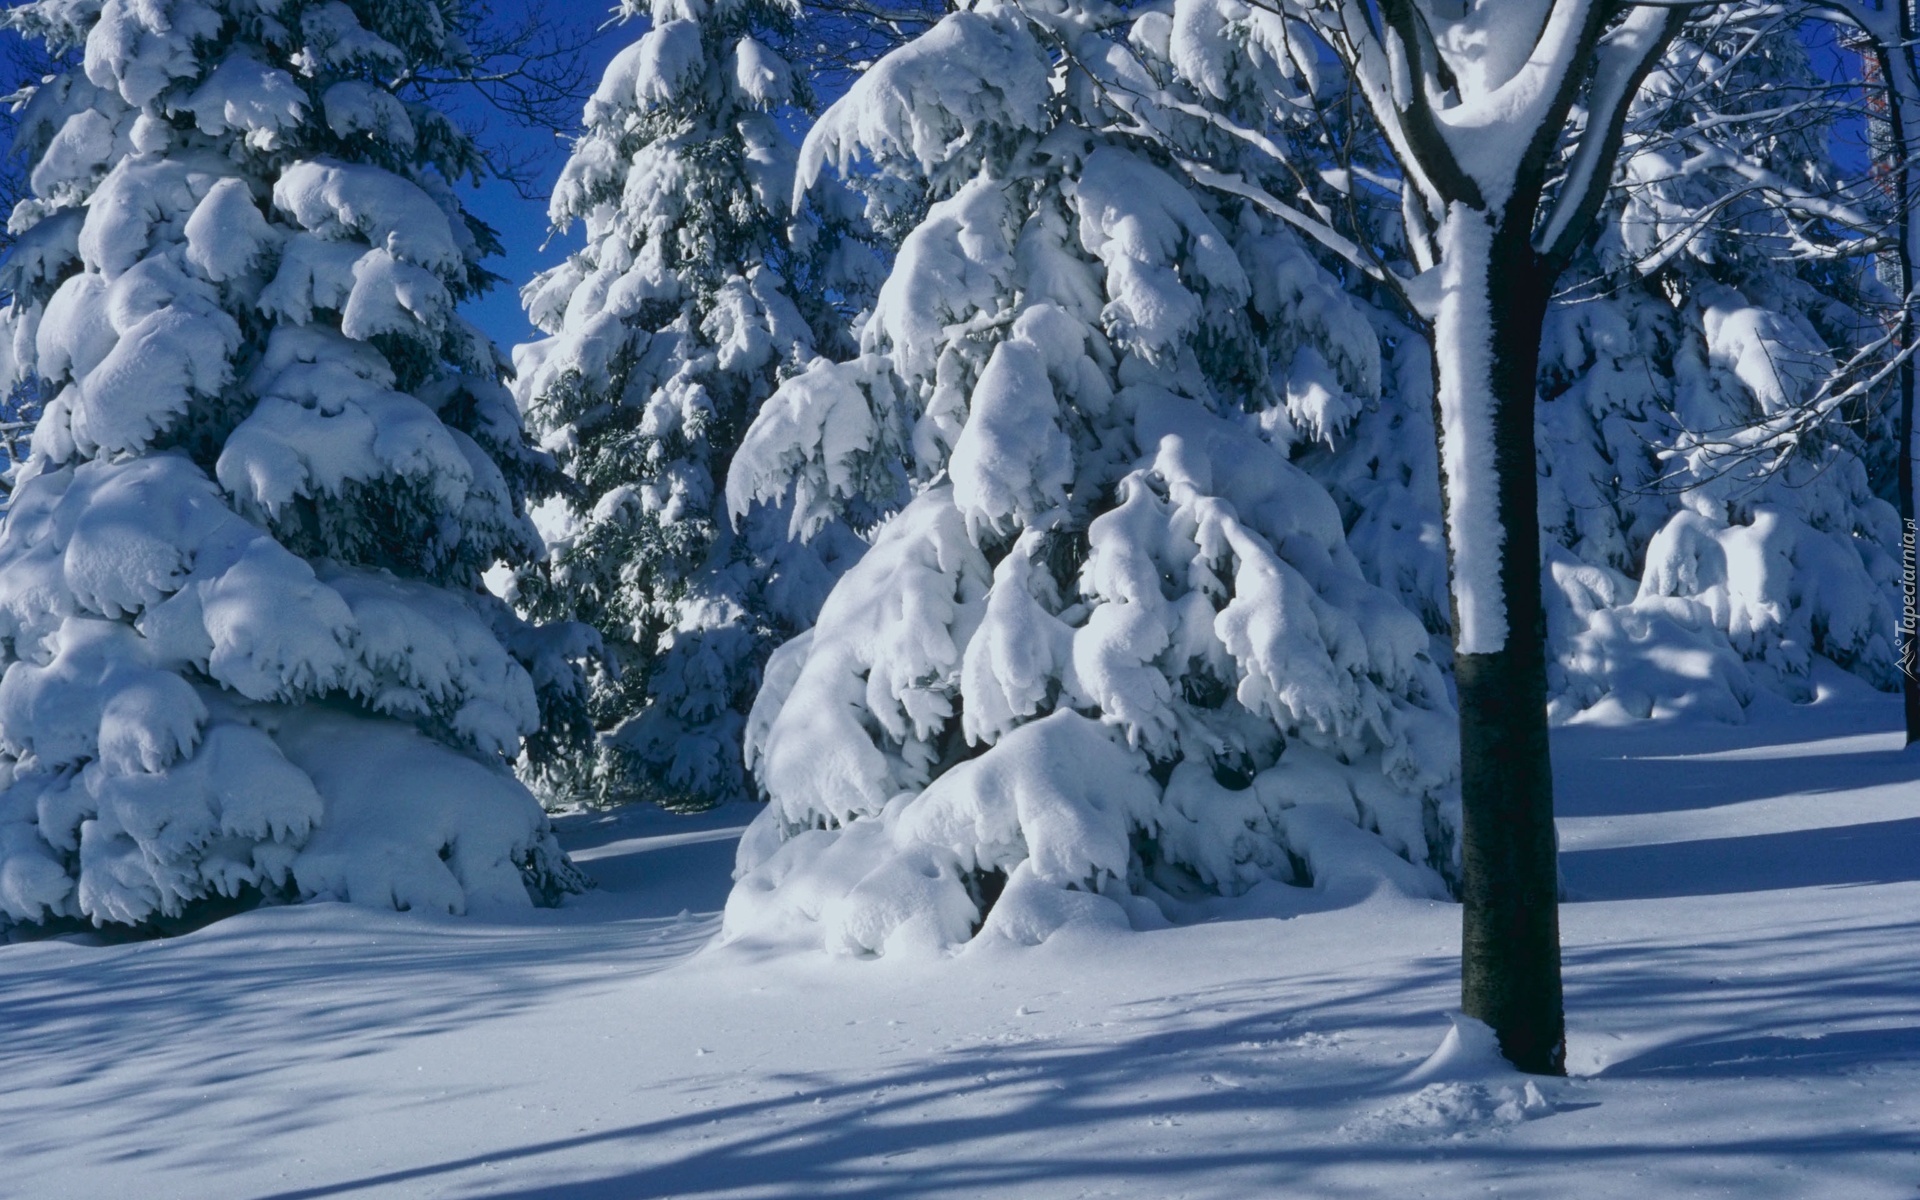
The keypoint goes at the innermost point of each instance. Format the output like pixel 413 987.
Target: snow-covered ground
pixel 1743 979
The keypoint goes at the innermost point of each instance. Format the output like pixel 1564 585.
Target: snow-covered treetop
pixel 698 65
pixel 251 255
pixel 228 200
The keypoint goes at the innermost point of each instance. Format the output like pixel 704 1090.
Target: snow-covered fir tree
pixel 666 333
pixel 1696 563
pixel 247 651
pixel 1113 654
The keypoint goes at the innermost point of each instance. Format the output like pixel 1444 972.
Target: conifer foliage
pixel 1694 558
pixel 1113 655
pixel 666 332
pixel 1719 305
pixel 246 648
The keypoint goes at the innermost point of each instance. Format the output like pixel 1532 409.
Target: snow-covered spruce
pixel 1114 653
pixel 1692 572
pixel 666 332
pixel 246 649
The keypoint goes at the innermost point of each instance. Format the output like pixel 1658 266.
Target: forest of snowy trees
pixel 1069 459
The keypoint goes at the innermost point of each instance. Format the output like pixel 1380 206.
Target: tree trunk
pixel 1510 944
pixel 1903 110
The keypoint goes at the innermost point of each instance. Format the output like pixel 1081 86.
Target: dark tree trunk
pixel 1510 943
pixel 1909 619
pixel 1896 70
pixel 1487 319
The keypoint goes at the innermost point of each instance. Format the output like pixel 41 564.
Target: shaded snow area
pixel 1743 981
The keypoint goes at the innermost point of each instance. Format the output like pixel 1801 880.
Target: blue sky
pixel 522 223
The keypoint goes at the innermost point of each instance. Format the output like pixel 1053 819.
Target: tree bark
pixel 1903 111
pixel 1488 313
pixel 1510 943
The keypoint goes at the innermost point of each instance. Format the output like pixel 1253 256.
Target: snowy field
pixel 1743 982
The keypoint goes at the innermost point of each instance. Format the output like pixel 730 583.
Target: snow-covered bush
pixel 246 648
pixel 666 332
pixel 1113 653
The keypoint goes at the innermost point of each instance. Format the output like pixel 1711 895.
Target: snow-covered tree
pixel 666 333
pixel 1504 122
pixel 1883 32
pixel 1718 299
pixel 1654 395
pixel 247 651
pixel 1720 302
pixel 1113 654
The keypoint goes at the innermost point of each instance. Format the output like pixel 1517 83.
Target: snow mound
pixel 1465 1088
pixel 1451 1110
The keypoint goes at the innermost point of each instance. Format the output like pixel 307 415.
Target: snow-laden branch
pixel 1326 235
pixel 1778 436
pixel 1136 101
pixel 1846 216
pixel 1622 62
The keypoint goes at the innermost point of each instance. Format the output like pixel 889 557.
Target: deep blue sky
pixel 522 223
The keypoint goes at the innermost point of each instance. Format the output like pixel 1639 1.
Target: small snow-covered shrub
pixel 1114 648
pixel 246 650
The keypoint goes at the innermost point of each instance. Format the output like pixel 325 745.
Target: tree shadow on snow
pixel 106 1039
pixel 1821 1001
pixel 1835 856
pixel 1609 785
pixel 1812 1053
pixel 1293 1059
pixel 921 1129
